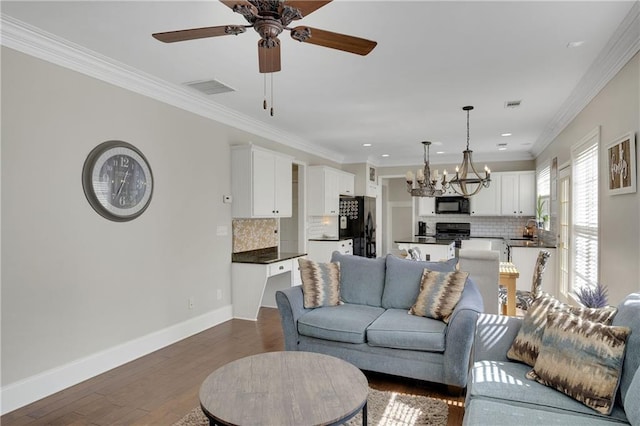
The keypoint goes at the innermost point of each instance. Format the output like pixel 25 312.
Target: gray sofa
pixel 499 393
pixel 373 329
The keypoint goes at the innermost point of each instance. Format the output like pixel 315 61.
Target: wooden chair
pixel 525 298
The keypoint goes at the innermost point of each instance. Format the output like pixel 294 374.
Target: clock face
pixel 117 180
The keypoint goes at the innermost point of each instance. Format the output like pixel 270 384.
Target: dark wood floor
pixel 160 388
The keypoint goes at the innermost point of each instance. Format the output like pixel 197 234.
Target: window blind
pixel 585 214
pixel 543 183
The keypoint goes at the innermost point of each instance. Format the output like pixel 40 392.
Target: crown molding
pixel 452 158
pixel 622 46
pixel 38 43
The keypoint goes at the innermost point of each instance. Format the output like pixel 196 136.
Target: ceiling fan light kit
pixel 269 18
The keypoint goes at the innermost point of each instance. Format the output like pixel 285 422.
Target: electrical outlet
pixel 219 294
pixel 191 303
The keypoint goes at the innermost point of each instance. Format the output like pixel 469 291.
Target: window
pixel 543 190
pixel 584 224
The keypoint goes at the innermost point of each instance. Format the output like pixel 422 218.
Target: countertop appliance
pixel 357 220
pixel 422 228
pixel 454 231
pixel 452 205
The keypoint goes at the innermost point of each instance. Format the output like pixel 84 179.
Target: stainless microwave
pixel 452 205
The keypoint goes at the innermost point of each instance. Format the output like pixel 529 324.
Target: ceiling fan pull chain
pixel 271 94
pixel 264 88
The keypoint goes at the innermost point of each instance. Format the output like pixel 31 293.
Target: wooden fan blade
pixel 195 33
pixel 269 57
pixel 231 3
pixel 346 43
pixel 307 7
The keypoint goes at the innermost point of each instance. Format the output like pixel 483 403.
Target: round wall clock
pixel 117 181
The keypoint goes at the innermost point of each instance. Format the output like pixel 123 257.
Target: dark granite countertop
pixel 263 256
pixel 528 243
pixel 331 239
pixel 424 240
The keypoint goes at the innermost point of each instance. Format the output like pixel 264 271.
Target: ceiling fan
pixel 269 18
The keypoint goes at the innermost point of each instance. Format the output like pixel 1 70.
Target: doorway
pixel 292 229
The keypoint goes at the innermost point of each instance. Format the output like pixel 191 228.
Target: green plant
pixel 540 208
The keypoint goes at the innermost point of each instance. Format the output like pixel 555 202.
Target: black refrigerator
pixel 357 220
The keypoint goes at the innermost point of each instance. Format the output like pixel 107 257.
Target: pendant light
pixel 467 181
pixel 425 181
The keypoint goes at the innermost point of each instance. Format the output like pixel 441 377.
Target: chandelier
pixel 467 181
pixel 425 180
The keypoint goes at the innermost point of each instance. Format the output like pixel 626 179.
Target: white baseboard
pixel 31 389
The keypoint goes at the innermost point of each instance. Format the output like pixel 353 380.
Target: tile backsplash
pixel 254 234
pixel 322 227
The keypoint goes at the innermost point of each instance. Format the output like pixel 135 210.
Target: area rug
pixel 384 409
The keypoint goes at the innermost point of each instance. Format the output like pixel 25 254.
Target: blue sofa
pixel 499 393
pixel 373 329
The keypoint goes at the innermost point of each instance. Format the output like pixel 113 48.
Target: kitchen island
pixel 429 248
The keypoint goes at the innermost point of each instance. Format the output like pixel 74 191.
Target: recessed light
pixel 505 134
pixel 437 143
pixel 502 146
pixel 572 44
pixel 385 155
pixel 366 144
pixel 439 152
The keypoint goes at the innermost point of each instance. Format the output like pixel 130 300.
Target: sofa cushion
pixel 361 278
pixel 507 382
pixel 631 405
pixel 582 359
pixel 402 280
pixel 396 329
pixel 320 283
pixel 629 316
pixel 439 294
pixel 482 412
pixel 343 323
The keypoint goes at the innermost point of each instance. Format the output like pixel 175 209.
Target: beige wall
pixel 75 284
pixel 616 109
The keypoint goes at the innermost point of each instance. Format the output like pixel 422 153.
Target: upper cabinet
pixel 346 183
pixel 324 191
pixel 261 183
pixel 426 206
pixel 487 202
pixel 518 193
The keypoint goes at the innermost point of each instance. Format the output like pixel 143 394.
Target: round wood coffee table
pixel 285 388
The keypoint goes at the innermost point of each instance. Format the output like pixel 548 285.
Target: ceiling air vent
pixel 512 104
pixel 210 87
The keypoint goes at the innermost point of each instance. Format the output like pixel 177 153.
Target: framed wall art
pixel 621 165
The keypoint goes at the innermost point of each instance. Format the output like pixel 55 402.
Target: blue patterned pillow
pixel 582 359
pixel 320 283
pixel 439 294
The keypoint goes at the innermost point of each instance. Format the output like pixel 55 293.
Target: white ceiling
pixel 432 58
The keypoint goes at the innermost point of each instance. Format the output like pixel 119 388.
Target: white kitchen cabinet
pixel 320 251
pixel 324 191
pixel 261 183
pixel 426 206
pixel 518 193
pixel 434 252
pixel 524 258
pixel 346 183
pixel 487 201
